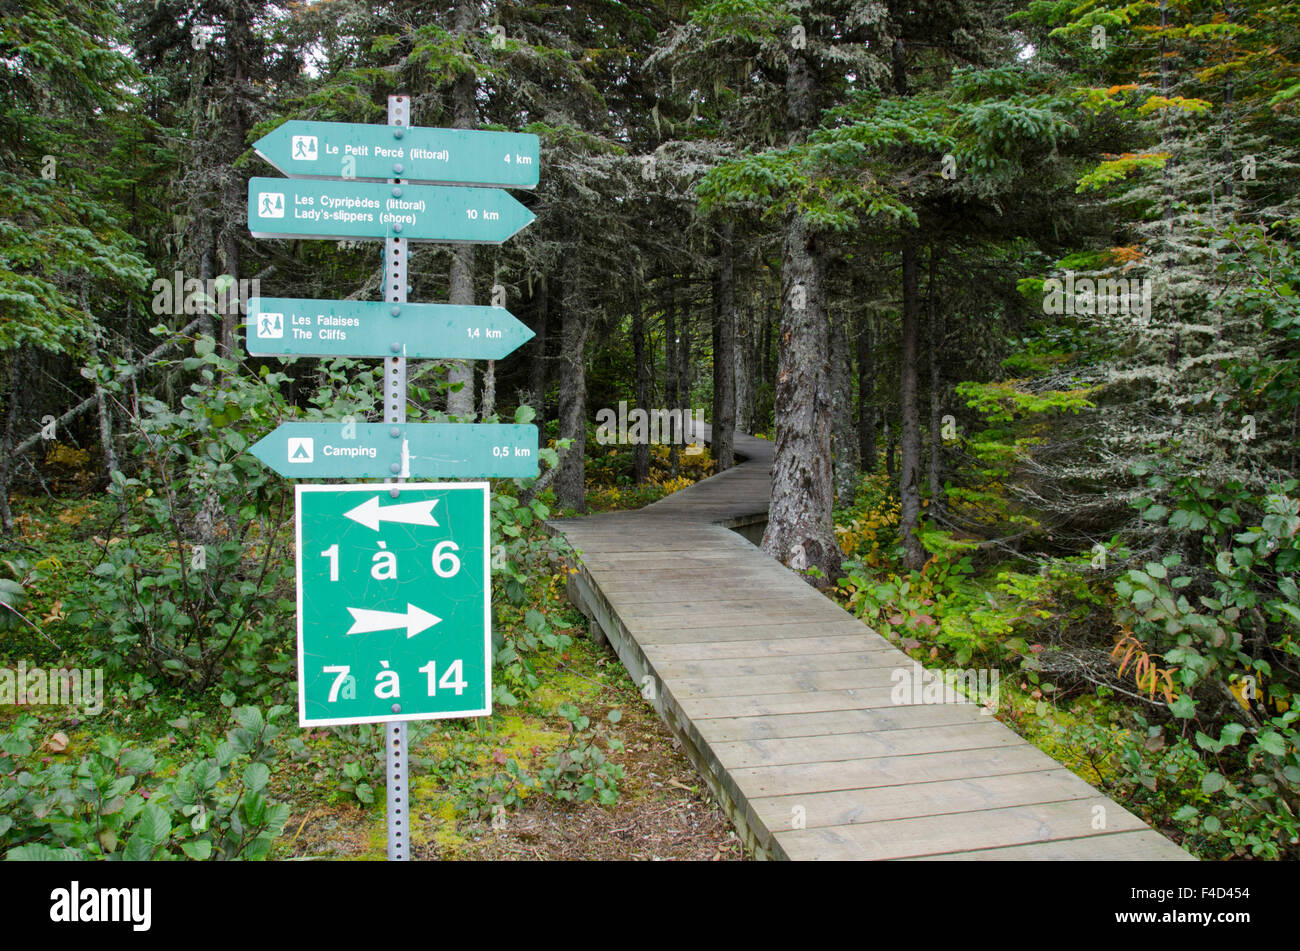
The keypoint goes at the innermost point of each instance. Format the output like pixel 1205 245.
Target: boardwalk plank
pixel 765 648
pixel 889 770
pixel 1139 846
pixel 831 722
pixel 959 832
pixel 880 803
pixel 871 678
pixel 840 746
pixel 750 666
pixel 700 633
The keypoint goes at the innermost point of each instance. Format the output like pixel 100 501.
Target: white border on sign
pixel 299 489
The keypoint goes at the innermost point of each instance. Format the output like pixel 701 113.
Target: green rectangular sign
pixel 350 150
pixel 294 208
pixel 394 617
pixel 400 450
pixel 285 326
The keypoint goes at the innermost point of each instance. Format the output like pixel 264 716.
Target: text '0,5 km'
pixel 400 450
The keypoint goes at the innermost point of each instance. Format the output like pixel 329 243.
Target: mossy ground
pixel 663 811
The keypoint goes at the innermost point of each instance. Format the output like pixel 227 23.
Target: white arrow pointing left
pixel 370 514
pixel 415 620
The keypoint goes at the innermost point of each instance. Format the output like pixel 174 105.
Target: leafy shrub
pixel 576 772
pixel 1183 784
pixel 580 769
pixel 194 596
pixel 123 803
pixel 1230 623
pixel 15 577
pixel 503 790
pixel 355 761
pixel 992 616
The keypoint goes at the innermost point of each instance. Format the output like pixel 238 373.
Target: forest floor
pixel 332 780
pixel 663 811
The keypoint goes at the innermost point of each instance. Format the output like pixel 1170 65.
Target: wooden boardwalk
pixel 785 702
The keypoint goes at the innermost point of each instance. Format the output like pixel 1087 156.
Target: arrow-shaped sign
pixel 415 620
pixel 369 513
pixel 289 326
pixel 291 208
pixel 416 154
pixel 404 450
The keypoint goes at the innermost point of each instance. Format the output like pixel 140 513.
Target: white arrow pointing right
pixel 415 620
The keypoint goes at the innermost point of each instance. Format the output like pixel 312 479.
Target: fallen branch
pixel 89 402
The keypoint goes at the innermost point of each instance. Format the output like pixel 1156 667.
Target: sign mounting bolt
pixel 396 311
pixel 394 432
pixel 397 192
pixel 395 347
pixel 395 468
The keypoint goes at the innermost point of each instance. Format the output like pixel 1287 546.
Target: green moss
pixel 1054 728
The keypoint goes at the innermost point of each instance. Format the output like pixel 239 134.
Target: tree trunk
pixel 724 358
pixel 101 401
pixel 7 455
pixel 206 327
pixel 771 318
pixel 844 441
pixel 909 482
pixel 537 368
pixel 744 372
pixel 671 379
pixel 239 52
pixel 228 303
pixel 684 358
pixel 799 529
pixel 935 333
pixel 866 394
pixel 570 483
pixel 800 532
pixel 891 445
pixel 641 454
pixel 489 404
pixel 461 276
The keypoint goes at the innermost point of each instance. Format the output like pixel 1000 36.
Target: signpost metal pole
pixel 337 540
pixel 399 115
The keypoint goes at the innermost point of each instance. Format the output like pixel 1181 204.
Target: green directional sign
pixel 393 602
pixel 293 208
pixel 284 326
pixel 379 152
pixel 400 450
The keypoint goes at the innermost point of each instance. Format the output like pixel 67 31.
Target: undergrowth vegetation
pixel 1168 678
pixel 178 584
